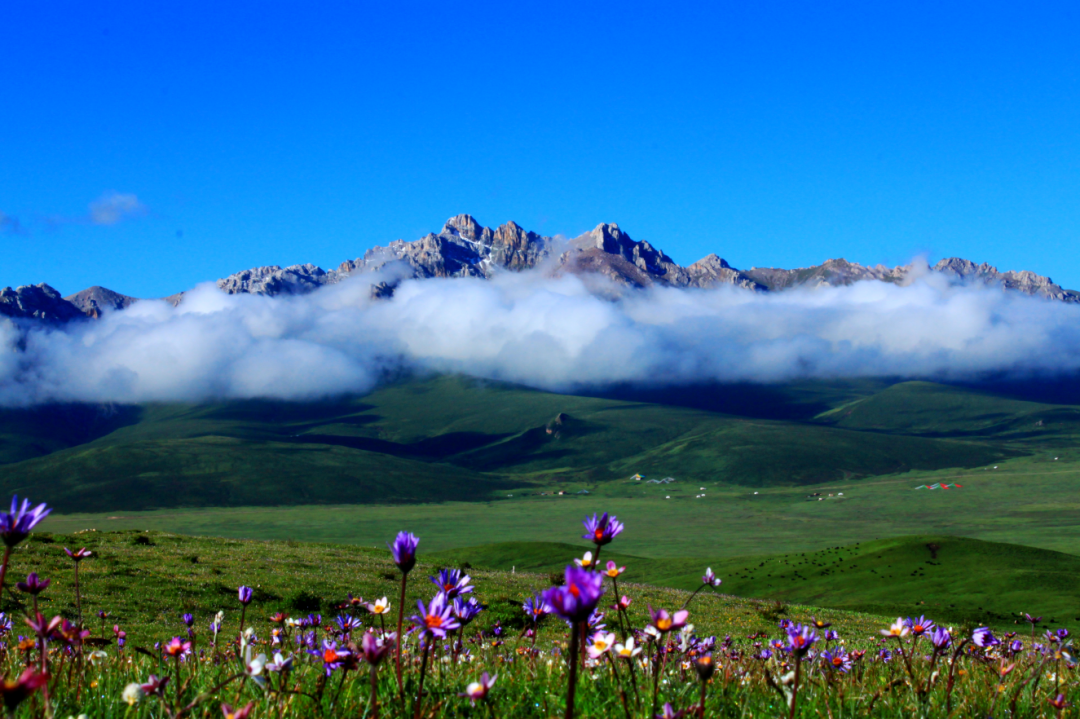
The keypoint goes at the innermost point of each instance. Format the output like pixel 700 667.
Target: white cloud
pixel 112 207
pixel 549 333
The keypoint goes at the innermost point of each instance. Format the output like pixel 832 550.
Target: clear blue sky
pixel 219 136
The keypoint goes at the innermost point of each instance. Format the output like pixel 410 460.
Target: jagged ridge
pixel 465 248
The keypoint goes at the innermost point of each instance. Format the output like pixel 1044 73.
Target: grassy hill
pixel 948 578
pixel 438 439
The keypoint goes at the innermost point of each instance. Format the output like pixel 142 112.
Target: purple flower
pixel 78 555
pixel 346 623
pixel 837 659
pixel 373 648
pixel 478 690
pixel 332 656
pixel 34 584
pixel 668 712
pixel 436 619
pixel 665 622
pixel 800 639
pixel 601 530
pixel 919 626
pixel 466 610
pixel 982 637
pixel 1016 645
pixel 404 551
pixel 16 526
pixel 1031 620
pixel 188 620
pixel 1062 633
pixel 940 638
pixel 245 594
pixel 575 600
pixel 710 579
pixel 452 582
pixel 536 607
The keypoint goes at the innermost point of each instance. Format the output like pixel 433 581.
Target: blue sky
pixel 150 146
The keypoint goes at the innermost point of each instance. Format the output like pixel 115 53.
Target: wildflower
pixel 800 639
pixel 602 530
pixel 1016 645
pixel 586 561
pixel 665 622
pixel 241 713
pixel 1059 702
pixel 16 525
pixel 837 659
pixel 614 570
pixel 120 634
pixel 254 666
pixel 536 607
pixel 379 606
pixel 132 694
pixel 940 638
pixel 628 650
pixel 177 647
pixel 919 626
pixel 982 637
pixel 668 712
pixel 44 629
pixel 97 656
pixel 820 623
pixel 478 690
pixel 705 667
pixel 452 582
pixel 898 629
pixel 404 551
pixel 154 685
pixel 78 555
pixel 332 656
pixel 436 619
pixel 374 649
pixel 623 604
pixel 710 579
pixel 245 595
pixel 578 597
pixel 346 623
pixel 280 663
pixel 188 620
pixel 34 584
pixel 466 610
pixel 1031 620
pixel 601 644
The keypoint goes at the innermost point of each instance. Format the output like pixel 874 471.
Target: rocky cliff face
pixel 38 302
pixel 465 248
pixel 96 301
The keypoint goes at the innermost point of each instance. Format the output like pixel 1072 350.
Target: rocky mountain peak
pixel 464 225
pixel 96 301
pixel 39 302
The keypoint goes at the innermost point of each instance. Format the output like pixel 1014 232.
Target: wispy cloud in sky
pixel 527 328
pixel 113 207
pixel 10 225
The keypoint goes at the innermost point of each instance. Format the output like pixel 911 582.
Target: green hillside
pixel 436 439
pixel 949 578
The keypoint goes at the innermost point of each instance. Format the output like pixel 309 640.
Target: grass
pixel 440 439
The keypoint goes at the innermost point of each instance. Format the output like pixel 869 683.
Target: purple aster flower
pixel 16 526
pixel 34 584
pixel 800 639
pixel 374 648
pixel 436 619
pixel 1016 645
pixel 332 656
pixel 575 600
pixel 1062 633
pixel 346 623
pixel 668 712
pixel 188 620
pixel 155 685
pixel 837 660
pixel 466 610
pixel 666 622
pixel 940 638
pixel 765 654
pixel 536 607
pixel 884 655
pixel 1031 620
pixel 832 636
pixel 404 551
pixel 710 579
pixel 452 582
pixel 79 554
pixel 601 530
pixel 919 626
pixel 983 637
pixel 245 594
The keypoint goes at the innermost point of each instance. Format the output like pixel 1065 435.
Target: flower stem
pixel 420 690
pixel 398 643
pixel 795 687
pixel 573 661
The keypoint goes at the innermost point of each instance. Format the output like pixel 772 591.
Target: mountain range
pixel 464 248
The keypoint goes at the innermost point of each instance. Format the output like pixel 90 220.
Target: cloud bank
pixel 547 333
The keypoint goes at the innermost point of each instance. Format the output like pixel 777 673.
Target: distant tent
pixel 637 478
